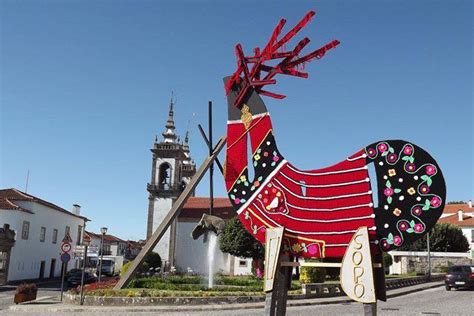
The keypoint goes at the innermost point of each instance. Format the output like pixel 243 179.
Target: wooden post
pixel 172 214
pixel 370 309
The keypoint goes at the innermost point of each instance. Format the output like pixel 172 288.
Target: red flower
pixel 392 157
pixel 410 167
pixel 418 228
pixel 382 147
pixel 416 210
pixel 397 240
pixel 430 170
pixel 408 150
pixel 388 191
pixel 403 226
pixel 435 201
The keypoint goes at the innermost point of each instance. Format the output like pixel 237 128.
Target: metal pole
pixel 211 168
pixel 83 274
pixel 101 255
pixel 429 255
pixel 62 279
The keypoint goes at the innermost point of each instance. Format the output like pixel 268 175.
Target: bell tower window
pixel 165 177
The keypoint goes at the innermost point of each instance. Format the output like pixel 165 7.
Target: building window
pixel 67 231
pixel 165 176
pixel 243 263
pixel 25 230
pixel 43 234
pixel 55 236
pixel 79 235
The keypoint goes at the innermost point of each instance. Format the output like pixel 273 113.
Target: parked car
pixel 459 277
pixel 75 278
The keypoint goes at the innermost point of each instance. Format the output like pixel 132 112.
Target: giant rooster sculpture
pixel 320 209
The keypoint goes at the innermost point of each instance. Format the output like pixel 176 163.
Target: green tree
pixel 236 241
pixel 444 237
pixel 153 260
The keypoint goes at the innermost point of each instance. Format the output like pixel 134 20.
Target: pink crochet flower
pixel 382 147
pixel 430 170
pixel 388 191
pixel 408 150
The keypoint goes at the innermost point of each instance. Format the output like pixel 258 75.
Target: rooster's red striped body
pixel 321 209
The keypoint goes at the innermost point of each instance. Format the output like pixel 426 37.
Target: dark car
pixel 75 278
pixel 459 277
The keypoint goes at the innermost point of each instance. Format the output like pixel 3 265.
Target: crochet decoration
pixel 320 209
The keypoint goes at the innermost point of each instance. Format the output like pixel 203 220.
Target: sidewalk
pixel 45 305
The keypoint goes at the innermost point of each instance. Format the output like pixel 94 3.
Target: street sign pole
pixel 83 274
pixel 62 278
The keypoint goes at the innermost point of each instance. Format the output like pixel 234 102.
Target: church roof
pixel 196 206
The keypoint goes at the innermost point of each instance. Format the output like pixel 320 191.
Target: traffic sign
pixel 65 257
pixel 66 247
pixel 67 239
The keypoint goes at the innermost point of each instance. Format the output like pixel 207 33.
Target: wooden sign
pixel 357 277
pixel 272 255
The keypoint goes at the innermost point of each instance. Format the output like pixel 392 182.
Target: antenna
pixel 27 179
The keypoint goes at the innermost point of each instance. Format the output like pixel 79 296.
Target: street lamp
pixel 86 240
pixel 103 230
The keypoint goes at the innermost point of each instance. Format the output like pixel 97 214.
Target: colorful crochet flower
pixel 416 210
pixel 388 192
pixel 424 189
pixel 430 170
pixel 411 191
pixel 382 147
pixel 418 228
pixel 410 167
pixel 397 240
pixel 392 158
pixel 397 212
pixel 408 150
pixel 371 152
pixel 296 248
pixel 392 172
pixel 256 157
pixel 435 201
pixel 403 226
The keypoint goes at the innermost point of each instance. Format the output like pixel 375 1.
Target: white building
pixel 113 246
pixel 39 228
pixel 461 215
pixel 194 253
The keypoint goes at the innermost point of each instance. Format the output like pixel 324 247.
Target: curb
pixel 42 306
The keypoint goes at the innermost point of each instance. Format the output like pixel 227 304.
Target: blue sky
pixel 85 86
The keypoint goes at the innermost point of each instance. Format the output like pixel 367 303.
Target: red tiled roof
pixel 9 196
pixel 454 208
pixel 107 237
pixel 468 221
pixel 196 206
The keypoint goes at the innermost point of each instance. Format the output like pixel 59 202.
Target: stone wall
pixel 420 264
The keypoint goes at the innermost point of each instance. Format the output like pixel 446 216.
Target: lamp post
pixel 103 230
pixel 85 242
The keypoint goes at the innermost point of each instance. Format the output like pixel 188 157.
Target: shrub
pixel 143 268
pixel 26 288
pixel 312 274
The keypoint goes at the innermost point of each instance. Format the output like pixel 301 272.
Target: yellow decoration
pixel 397 212
pixel 411 191
pixel 246 116
pixel 392 172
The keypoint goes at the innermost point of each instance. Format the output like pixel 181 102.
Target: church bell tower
pixel 172 169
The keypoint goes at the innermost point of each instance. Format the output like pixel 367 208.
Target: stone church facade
pixel 172 169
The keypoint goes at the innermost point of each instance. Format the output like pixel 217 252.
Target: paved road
pixel 50 290
pixel 436 301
